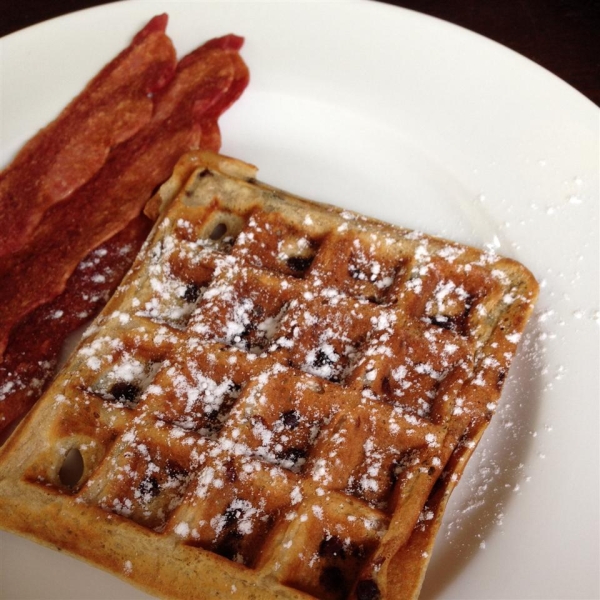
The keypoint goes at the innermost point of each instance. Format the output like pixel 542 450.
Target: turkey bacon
pixel 43 272
pixel 113 107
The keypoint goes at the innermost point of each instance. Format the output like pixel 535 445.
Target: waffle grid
pixel 280 384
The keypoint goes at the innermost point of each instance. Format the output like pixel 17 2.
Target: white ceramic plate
pixel 424 124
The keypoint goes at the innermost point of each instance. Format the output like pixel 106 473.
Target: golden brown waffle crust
pixel 276 403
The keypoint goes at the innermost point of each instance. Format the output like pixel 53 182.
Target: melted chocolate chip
pixel 321 359
pixel 394 471
pixel 357 273
pixel 386 386
pixel 332 579
pixel 501 378
pixel 367 590
pixel 149 486
pixel 332 547
pixel 442 321
pixel 292 454
pixel 299 264
pixel 213 415
pixel 457 323
pixel 229 544
pixel 291 418
pixel 124 391
pixel 248 330
pixel 192 293
pixel 231 516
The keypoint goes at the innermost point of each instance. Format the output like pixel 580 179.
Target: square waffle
pixel 276 403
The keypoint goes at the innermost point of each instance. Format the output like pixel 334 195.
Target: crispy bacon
pixel 63 156
pixel 35 344
pixel 186 112
pixel 205 85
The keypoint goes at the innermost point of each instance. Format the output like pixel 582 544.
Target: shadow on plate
pixel 490 481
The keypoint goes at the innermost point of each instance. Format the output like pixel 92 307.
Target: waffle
pixel 276 403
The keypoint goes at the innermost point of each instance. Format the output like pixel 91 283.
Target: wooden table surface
pixel 561 35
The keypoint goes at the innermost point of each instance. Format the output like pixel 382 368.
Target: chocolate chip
pixel 291 418
pixel 292 454
pixel 367 590
pixel 442 321
pixel 394 471
pixel 299 264
pixel 213 415
pixel 124 391
pixel 457 323
pixel 149 486
pixel 332 578
pixel 231 516
pixel 192 293
pixel 357 273
pixel 229 544
pixel 332 547
pixel 249 330
pixel 321 359
pixel 386 386
pixel 501 378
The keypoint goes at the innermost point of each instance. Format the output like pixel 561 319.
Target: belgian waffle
pixel 276 403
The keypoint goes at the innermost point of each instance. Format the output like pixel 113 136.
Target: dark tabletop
pixel 561 35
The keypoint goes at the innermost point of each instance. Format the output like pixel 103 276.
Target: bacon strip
pixel 35 344
pixel 119 191
pixel 206 83
pixel 67 153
